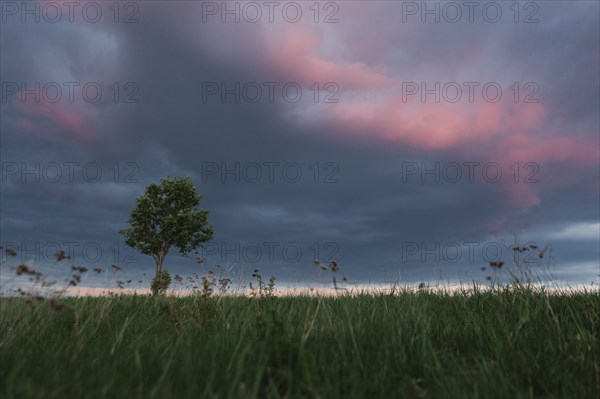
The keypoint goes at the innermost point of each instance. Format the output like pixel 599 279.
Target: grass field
pixel 508 343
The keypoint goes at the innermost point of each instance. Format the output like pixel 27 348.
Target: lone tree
pixel 167 215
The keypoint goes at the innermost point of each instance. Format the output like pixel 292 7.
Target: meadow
pixel 511 342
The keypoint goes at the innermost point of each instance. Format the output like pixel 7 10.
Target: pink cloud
pixel 576 150
pixel 52 120
pixel 294 53
pixel 434 126
pixel 494 132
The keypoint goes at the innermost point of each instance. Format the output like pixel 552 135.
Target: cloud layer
pixel 352 139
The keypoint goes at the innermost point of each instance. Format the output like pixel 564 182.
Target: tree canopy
pixel 168 215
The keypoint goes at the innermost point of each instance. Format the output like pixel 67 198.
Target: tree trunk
pixel 159 263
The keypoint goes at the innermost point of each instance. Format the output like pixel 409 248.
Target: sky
pixel 409 141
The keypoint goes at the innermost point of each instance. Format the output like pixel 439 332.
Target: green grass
pixel 510 343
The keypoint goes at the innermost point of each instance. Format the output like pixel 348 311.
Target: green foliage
pixel 208 284
pixel 161 283
pixel 263 290
pixel 501 344
pixel 168 215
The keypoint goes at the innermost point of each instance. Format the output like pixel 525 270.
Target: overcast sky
pixel 410 141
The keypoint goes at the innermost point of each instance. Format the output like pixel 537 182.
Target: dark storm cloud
pixel 365 209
